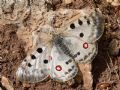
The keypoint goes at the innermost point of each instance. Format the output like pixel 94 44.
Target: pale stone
pixel 68 1
pixel 6 83
pixel 114 2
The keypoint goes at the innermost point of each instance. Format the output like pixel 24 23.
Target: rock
pixel 6 83
pixel 114 47
pixel 118 34
pixel 7 6
pixel 103 85
pixel 68 1
pixel 0 88
pixel 114 2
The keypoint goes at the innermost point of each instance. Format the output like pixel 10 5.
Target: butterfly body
pixel 57 51
pixel 59 42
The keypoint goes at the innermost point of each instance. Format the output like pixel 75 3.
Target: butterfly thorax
pixel 59 42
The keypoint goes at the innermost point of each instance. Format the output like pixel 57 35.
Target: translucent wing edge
pixel 23 78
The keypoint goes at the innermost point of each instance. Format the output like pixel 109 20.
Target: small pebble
pixel 104 85
pixel 68 1
pixel 114 47
pixel 0 88
pixel 114 2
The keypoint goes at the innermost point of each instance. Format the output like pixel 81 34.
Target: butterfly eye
pixel 33 56
pixel 39 50
pixel 80 22
pixel 72 26
pixel 81 35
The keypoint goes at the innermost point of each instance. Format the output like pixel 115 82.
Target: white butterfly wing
pixel 63 67
pixel 79 38
pixel 82 51
pixel 87 27
pixel 35 67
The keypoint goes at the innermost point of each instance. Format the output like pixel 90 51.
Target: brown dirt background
pixel 106 68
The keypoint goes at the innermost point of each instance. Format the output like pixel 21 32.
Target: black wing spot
pixel 81 60
pixel 67 63
pixel 72 26
pixel 80 22
pixel 78 53
pixel 45 61
pixel 25 60
pixel 75 56
pixel 85 17
pixel 70 61
pixel 33 56
pixel 29 65
pixel 39 50
pixel 81 35
pixel 69 70
pixel 85 57
pixel 88 22
pixel 38 31
pixel 42 71
pixel 73 67
pixel 66 73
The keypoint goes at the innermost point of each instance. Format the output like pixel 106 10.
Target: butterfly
pixel 57 51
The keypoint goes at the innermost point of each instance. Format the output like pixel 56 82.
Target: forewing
pixel 88 26
pixel 63 67
pixel 35 67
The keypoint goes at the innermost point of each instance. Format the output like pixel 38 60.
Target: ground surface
pixel 106 68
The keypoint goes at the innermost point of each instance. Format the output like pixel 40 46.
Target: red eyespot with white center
pixel 58 68
pixel 85 45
